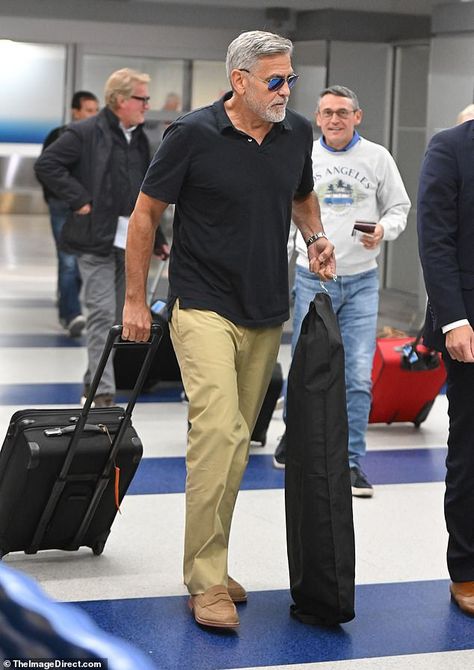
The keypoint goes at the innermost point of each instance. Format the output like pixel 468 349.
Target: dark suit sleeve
pixel 438 228
pixel 53 169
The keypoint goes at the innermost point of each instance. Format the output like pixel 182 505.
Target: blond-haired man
pixel 97 167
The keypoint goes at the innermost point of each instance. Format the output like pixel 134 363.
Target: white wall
pixel 309 61
pixel 451 79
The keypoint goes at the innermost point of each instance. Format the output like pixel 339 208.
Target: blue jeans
pixel 355 299
pixel 69 279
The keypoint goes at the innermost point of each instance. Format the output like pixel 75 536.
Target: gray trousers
pixel 103 281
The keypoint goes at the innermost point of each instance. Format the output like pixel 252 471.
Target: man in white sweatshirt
pixel 357 183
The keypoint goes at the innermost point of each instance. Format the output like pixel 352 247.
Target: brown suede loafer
pixel 463 595
pixel 214 608
pixel 236 591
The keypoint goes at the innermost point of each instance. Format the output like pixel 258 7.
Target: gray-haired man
pixel 236 171
pixel 357 182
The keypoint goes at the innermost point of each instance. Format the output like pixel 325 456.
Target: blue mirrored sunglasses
pixel 275 83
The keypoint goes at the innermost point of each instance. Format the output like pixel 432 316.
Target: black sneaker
pixel 279 457
pixel 361 487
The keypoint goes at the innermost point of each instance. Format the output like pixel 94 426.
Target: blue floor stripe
pixel 59 340
pixel 62 393
pixel 65 394
pixel 410 466
pixel 26 303
pixel 406 466
pixel 167 475
pixel 391 619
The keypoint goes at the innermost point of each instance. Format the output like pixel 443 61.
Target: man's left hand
pixel 162 251
pixel 373 241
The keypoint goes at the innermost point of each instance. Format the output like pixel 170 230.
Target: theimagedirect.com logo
pixel 49 664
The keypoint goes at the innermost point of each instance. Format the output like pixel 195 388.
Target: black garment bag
pixel 319 524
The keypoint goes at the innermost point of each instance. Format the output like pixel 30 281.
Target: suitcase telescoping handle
pixel 111 343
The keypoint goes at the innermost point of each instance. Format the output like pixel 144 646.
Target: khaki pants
pixel 226 370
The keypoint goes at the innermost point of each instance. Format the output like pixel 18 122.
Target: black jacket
pixel 50 138
pixel 77 168
pixel 446 231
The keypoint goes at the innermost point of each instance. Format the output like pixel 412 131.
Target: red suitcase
pixel 406 378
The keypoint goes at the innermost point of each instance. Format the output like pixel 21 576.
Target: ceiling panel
pixel 396 6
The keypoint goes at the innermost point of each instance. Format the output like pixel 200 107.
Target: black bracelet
pixel 315 237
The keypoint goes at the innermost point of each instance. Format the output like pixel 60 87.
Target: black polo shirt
pixel 233 208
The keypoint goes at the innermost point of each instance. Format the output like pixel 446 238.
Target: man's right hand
pixel 140 239
pixel 460 344
pixel 85 209
pixel 136 322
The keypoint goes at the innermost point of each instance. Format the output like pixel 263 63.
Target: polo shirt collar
pixel 354 140
pixel 224 122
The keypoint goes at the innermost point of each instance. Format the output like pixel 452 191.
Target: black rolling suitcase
pixel 164 366
pixel 259 433
pixel 64 472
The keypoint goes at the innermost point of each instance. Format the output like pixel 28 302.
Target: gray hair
pixel 122 82
pixel 342 92
pixel 248 47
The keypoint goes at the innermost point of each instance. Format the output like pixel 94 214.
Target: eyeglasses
pixel 341 113
pixel 275 83
pixel 145 99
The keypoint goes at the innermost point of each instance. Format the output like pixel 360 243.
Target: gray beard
pixel 275 114
pixel 270 114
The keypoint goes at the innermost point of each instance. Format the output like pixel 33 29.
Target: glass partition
pixel 167 76
pixel 209 82
pixel 32 80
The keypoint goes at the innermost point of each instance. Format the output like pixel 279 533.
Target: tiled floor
pixel 404 618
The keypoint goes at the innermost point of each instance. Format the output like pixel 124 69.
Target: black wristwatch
pixel 315 237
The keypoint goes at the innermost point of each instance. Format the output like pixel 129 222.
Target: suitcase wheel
pixel 423 413
pixel 98 548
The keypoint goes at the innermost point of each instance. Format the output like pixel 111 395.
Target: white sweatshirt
pixel 362 183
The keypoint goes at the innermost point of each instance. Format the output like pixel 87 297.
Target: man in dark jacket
pixel 445 233
pixel 97 167
pixel 84 104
